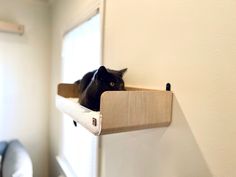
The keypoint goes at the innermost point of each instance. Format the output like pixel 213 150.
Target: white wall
pixel 24 79
pixel 190 44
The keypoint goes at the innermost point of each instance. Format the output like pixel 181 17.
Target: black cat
pixel 94 83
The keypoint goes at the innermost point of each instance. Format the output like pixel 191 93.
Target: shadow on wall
pixel 178 152
pixel 164 152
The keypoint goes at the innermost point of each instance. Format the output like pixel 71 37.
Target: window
pixel 81 50
pixel 81 53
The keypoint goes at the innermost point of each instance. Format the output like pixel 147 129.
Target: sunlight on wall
pixel 8 87
pixel 2 99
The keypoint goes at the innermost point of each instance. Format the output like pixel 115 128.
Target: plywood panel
pixel 132 110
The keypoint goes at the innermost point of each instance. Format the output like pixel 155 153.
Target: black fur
pixel 94 83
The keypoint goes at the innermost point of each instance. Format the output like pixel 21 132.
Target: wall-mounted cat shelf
pixel 120 111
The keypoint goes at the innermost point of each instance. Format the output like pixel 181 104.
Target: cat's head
pixel 107 79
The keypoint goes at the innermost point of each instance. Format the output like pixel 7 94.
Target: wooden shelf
pixel 120 111
pixel 11 28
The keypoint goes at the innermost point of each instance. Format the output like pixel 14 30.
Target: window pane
pixel 81 50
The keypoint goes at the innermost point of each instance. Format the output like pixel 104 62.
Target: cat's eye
pixel 112 84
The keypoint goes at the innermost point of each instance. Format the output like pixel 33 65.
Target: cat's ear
pixel 101 72
pixel 122 72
